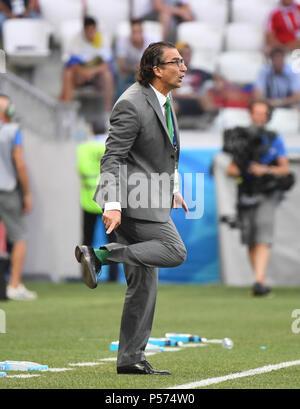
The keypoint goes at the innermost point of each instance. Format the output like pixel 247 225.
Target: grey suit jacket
pixel 137 168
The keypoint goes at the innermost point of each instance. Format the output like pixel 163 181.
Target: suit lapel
pixel 152 99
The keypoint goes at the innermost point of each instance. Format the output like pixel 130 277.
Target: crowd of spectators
pixel 203 91
pixel 110 70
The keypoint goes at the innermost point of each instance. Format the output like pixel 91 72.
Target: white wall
pixel 54 223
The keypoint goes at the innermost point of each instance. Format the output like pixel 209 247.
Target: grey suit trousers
pixel 142 247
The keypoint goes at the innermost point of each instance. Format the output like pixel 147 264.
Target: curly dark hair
pixel 152 57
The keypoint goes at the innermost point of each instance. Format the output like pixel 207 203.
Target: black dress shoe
pixel 259 289
pixel 140 368
pixel 91 266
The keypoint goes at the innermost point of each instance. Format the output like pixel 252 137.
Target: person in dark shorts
pixel 257 212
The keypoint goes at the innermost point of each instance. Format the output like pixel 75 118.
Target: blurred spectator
pixel 17 9
pixel 88 65
pixel 261 161
pixel 278 83
pixel 169 13
pixel 221 93
pixel 283 26
pixel 188 100
pixel 15 198
pixel 89 154
pixel 129 51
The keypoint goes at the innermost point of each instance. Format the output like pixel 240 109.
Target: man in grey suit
pixel 137 189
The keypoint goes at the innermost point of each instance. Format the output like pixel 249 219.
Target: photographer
pixel 261 168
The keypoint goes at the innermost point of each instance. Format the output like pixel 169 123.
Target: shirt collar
pixel 161 98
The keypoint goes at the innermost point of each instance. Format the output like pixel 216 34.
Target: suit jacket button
pixel 172 156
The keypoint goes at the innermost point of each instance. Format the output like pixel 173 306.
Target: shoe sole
pixel 143 373
pixel 85 271
pixel 268 295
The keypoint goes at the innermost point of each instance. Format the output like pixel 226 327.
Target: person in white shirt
pixel 88 65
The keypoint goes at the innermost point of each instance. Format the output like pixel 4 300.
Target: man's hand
pixel 27 203
pixel 256 169
pixel 111 220
pixel 178 202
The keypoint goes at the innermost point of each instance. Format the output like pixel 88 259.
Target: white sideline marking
pixel 87 364
pixel 58 369
pixel 108 359
pixel 193 345
pixel 251 372
pixel 21 376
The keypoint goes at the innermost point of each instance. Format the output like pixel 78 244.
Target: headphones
pixel 10 110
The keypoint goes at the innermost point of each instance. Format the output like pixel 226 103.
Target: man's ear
pixel 157 71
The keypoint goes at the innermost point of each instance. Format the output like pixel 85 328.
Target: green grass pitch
pixel 71 324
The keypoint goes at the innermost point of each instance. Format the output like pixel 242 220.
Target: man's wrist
pixel 112 206
pixel 268 170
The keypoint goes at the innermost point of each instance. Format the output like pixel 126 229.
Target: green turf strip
pixel 70 323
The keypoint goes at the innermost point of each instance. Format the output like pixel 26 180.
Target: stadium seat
pixel 152 28
pixel 254 11
pixel 56 12
pixel 26 41
pixel 285 121
pixel 139 8
pixel 201 36
pixel 244 37
pixel 108 17
pixel 204 60
pixel 67 31
pixel 240 66
pixel 231 117
pixel 293 58
pixel 210 11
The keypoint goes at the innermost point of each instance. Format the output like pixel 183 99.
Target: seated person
pixel 169 13
pixel 221 93
pixel 129 51
pixel 17 9
pixel 283 26
pixel 88 64
pixel 188 99
pixel 278 83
